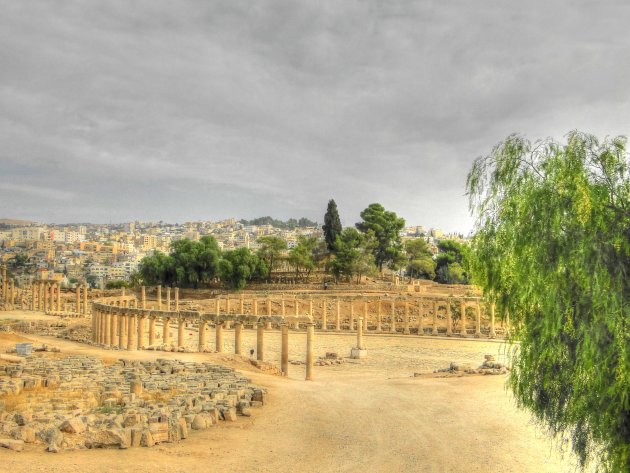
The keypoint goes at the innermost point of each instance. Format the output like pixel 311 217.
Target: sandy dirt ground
pixel 367 416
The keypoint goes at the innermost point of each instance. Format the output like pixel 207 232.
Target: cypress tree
pixel 332 225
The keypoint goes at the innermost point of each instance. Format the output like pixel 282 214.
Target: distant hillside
pixel 289 224
pixel 14 222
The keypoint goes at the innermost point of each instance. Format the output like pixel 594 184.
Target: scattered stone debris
pixel 79 402
pixel 44 347
pixel 488 367
pixel 331 358
pixel 266 367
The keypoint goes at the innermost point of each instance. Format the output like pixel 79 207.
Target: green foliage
pixel 271 249
pixel 240 266
pixel 116 284
pixel 553 248
pixel 332 225
pixel 288 225
pixel 384 226
pixel 189 264
pixel 301 256
pixel 347 249
pixel 451 261
pixel 420 263
pixel 157 268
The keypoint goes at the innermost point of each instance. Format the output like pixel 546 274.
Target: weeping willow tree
pixel 552 249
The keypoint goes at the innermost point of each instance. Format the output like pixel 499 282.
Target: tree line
pixel 346 253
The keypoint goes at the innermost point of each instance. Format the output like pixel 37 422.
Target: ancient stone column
pixel 493 334
pixel 176 299
pixel 260 334
pixel 284 352
pixel 166 331
pixel 463 332
pixel 310 308
pixel 45 297
pixel 107 336
pixel 85 301
pixel 365 314
pixel 141 319
pixel 351 315
pixel 201 347
pixel 122 327
pixel 219 337
pixel 12 292
pixel 143 297
pixel 104 331
pixel 449 319
pixel 42 294
pixel 310 331
pixel 360 334
pixel 434 331
pixel 58 297
pixel 324 315
pixel 238 332
pixel 131 333
pixel 406 321
pixel 180 328
pixel 78 300
pixel 227 304
pixel 217 305
pixel 283 308
pixel 392 327
pixel 168 298
pixel 95 326
pixel 338 316
pixel 112 328
pixel 51 295
pixel 478 325
pixel 379 327
pixel 255 305
pixel 98 327
pixel 269 305
pixel 420 318
pixel 4 281
pixel 297 306
pixel 151 331
pixel 159 297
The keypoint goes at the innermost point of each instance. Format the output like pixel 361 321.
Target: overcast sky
pixel 185 110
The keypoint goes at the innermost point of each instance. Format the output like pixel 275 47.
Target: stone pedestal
pixel 357 353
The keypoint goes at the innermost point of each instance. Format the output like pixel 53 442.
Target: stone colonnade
pixel 117 322
pixel 46 297
pixel 428 315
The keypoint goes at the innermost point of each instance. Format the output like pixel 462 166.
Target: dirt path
pixel 372 417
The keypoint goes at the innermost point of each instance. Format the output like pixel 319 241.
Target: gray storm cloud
pixel 113 111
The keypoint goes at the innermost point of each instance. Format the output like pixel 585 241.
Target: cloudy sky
pixel 185 110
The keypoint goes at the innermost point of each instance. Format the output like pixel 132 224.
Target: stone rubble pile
pixel 331 358
pixel 488 367
pixel 78 402
pixel 60 329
